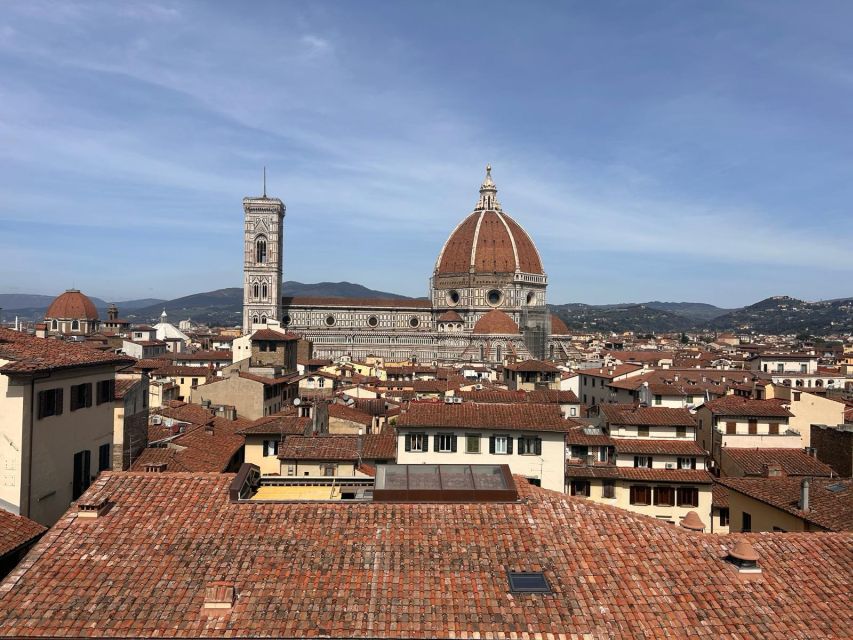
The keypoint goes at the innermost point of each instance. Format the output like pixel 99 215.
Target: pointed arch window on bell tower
pixel 255 290
pixel 261 250
pixel 264 291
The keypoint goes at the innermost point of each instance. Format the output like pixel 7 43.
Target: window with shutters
pixel 664 496
pixel 687 463
pixel 103 457
pixel 529 446
pixel 49 403
pixel 81 396
pixel 753 427
pixel 688 497
pixel 724 516
pixel 608 489
pixel 640 495
pixel 580 488
pixel 106 391
pixel 644 462
pixel 746 522
pixel 731 428
pixel 82 469
pixel 774 428
pixel 472 443
pixel 416 442
pixel 501 444
pixel 445 442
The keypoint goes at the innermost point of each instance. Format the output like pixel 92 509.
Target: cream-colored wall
pixel 185 384
pixel 811 409
pixel 254 454
pixel 622 499
pixel 314 468
pixel 549 467
pixel 244 394
pixel 716 527
pixel 656 432
pixel 658 461
pixel 130 421
pixel 339 425
pixel 764 516
pixel 55 441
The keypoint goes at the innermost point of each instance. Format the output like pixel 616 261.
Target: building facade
pixel 489 268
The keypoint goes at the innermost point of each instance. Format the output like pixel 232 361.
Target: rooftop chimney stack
pixel 804 495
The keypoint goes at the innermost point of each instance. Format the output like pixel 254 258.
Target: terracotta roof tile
pixel 270 335
pixel 545 396
pixel 28 354
pixel 740 406
pixel 627 414
pixel 277 425
pixel 659 447
pixel 16 531
pixel 794 462
pixel 533 366
pixel 355 303
pixel 495 322
pixel 639 474
pixel 320 447
pixel 471 415
pixel 410 570
pixel 832 510
pixel 343 412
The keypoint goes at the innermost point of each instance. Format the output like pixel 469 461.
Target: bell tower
pixel 263 252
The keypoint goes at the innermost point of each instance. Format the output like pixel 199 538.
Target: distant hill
pixel 617 318
pixel 783 314
pixel 225 306
pixel 30 306
pixel 697 311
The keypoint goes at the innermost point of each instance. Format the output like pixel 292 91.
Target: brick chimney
pixel 772 470
pixel 154 467
pixel 94 508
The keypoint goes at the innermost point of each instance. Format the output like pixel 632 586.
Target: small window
pixel 414 322
pixel 494 297
pixel 529 446
pixel 416 442
pixel 373 321
pixel 753 427
pixel 687 463
pixel 731 428
pixel 746 522
pixel 528 582
pixel 445 442
pixel 688 497
pixel 264 291
pixel 106 391
pixel 54 325
pixel 608 489
pixel 664 496
pixel 658 399
pixel 75 325
pixel 573 412
pixel 472 443
pixel 256 290
pixel 774 429
pixel 261 250
pixel 104 457
pixel 330 321
pixel 580 488
pixel 501 445
pixel 681 432
pixel 724 516
pixel 643 432
pixel 270 448
pixel 640 495
pixel 643 462
pixel 81 396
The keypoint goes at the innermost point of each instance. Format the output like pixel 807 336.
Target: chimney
pixel 772 470
pixel 804 495
pixel 692 522
pixel 744 557
pixel 154 467
pixel 94 508
pixel 208 429
pixel 219 597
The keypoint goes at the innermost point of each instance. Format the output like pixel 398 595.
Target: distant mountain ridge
pixel 777 314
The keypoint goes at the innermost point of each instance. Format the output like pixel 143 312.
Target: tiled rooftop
pixel 16 531
pixel 747 407
pixel 409 570
pixel 28 354
pixel 471 415
pixel 627 414
pixel 793 462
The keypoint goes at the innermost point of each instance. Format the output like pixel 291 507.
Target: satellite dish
pixel 296 402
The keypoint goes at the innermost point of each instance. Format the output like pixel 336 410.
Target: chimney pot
pixel 92 508
pixel 804 494
pixel 154 467
pixel 692 522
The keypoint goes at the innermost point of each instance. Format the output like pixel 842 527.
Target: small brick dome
pixel 496 322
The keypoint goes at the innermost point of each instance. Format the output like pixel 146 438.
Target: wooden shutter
pixel 436 439
pixel 88 394
pixel 41 405
pixel 58 402
pixel 408 440
pixel 636 461
pixel 491 444
pixel 774 428
pixel 731 427
pixel 753 427
pixel 453 443
pixel 425 446
pixel 538 446
pixel 509 444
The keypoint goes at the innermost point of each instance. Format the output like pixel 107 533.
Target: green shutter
pixel 491 444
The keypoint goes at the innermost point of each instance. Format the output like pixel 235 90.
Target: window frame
pixel 668 492
pixel 608 489
pixel 81 396
pixel 50 402
pixel 633 492
pixel 444 442
pixel 473 438
pixel 683 492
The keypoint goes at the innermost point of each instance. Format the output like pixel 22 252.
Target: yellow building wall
pixel 764 516
pixel 254 454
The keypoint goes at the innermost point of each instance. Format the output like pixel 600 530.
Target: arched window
pixel 264 291
pixel 499 353
pixel 75 325
pixel 261 249
pixel 482 353
pixel 321 382
pixel 55 325
pixel 255 319
pixel 255 290
pixel 551 350
pixel 263 319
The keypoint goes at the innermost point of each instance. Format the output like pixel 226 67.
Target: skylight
pixel 837 487
pixel 530 582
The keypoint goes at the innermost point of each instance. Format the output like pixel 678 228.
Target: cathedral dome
pixel 72 305
pixel 496 322
pixel 488 241
pixel 558 327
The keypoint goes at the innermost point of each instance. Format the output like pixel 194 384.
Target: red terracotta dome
pixel 496 322
pixel 72 305
pixel 450 316
pixel 489 241
pixel 558 327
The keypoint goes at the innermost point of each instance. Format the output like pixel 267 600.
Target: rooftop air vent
pixel 219 596
pixel 93 508
pixel 528 582
pixel 744 557
pixel 692 522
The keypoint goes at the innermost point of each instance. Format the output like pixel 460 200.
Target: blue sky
pixel 689 151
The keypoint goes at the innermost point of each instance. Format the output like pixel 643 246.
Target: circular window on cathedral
pixel 373 321
pixel 494 297
pixel 414 322
pixel 286 320
pixel 453 298
pixel 531 297
pixel 330 321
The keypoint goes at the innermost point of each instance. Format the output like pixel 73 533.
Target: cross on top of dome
pixel 488 193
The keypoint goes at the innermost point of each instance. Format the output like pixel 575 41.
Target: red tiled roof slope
pixel 794 462
pixel 16 531
pixel 28 354
pixel 739 406
pixel 375 570
pixel 470 415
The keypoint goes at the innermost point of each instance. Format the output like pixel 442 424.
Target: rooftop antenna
pixel 265 182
